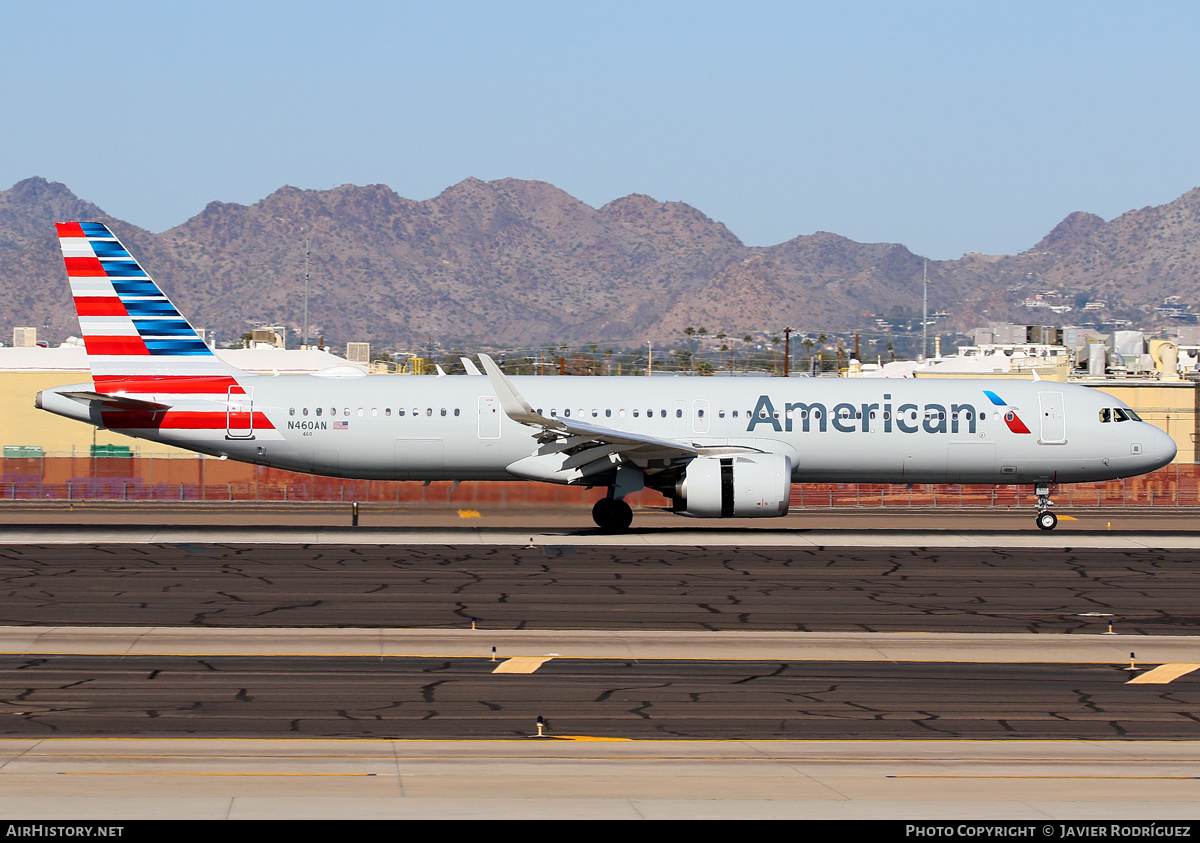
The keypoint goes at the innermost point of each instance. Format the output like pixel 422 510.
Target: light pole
pixel 925 311
pixel 305 345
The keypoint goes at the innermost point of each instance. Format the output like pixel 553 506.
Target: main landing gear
pixel 612 516
pixel 1046 520
pixel 611 513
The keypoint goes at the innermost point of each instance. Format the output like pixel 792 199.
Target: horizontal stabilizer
pixel 116 402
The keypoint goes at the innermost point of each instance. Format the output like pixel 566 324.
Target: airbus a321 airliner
pixel 717 447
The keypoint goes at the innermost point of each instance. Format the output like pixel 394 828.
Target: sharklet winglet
pixel 511 401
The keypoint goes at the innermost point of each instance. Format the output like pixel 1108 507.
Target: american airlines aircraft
pixel 718 448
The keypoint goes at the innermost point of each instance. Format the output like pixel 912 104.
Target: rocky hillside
pixel 521 263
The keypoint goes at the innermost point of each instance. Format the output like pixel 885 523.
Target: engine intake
pixel 742 486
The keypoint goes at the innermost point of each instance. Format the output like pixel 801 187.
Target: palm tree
pixel 691 332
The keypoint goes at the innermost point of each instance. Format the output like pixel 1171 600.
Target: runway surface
pixel 680 672
pixel 1034 781
pixel 463 698
pixel 576 586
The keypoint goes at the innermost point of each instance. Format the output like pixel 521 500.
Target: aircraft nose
pixel 1161 448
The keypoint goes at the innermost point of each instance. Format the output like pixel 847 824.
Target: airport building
pixel 1157 377
pixel 50 457
pixel 26 371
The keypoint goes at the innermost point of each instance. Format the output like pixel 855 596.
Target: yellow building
pixel 26 371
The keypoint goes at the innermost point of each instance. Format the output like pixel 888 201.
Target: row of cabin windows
pixel 620 413
pixel 1116 414
pixel 361 412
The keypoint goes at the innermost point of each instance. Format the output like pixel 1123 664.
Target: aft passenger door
pixel 239 413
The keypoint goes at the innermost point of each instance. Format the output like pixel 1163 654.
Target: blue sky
pixel 947 126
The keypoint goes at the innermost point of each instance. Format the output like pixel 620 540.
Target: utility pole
pixel 925 311
pixel 649 357
pixel 787 350
pixel 305 345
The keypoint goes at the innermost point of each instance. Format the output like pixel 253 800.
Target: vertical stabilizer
pixel 137 341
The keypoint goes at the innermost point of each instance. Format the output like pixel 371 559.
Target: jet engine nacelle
pixel 741 486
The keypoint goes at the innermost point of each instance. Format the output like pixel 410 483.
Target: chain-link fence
pixel 163 477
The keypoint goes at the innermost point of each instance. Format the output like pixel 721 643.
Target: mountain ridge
pixel 522 263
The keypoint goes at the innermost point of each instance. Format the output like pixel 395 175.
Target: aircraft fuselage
pixel 833 430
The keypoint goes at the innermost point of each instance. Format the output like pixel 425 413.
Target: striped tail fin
pixel 137 341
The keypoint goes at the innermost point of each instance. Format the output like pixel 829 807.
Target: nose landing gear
pixel 1046 520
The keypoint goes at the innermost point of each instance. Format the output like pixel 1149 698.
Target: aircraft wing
pixel 621 437
pixel 576 451
pixel 519 410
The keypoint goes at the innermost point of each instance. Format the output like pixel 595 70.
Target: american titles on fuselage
pixel 864 418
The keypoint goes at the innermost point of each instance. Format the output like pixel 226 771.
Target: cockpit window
pixel 1105 415
pixel 1119 414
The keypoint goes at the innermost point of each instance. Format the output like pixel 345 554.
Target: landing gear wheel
pixel 1047 520
pixel 600 511
pixel 612 516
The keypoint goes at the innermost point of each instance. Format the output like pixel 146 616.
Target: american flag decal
pixel 341 425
